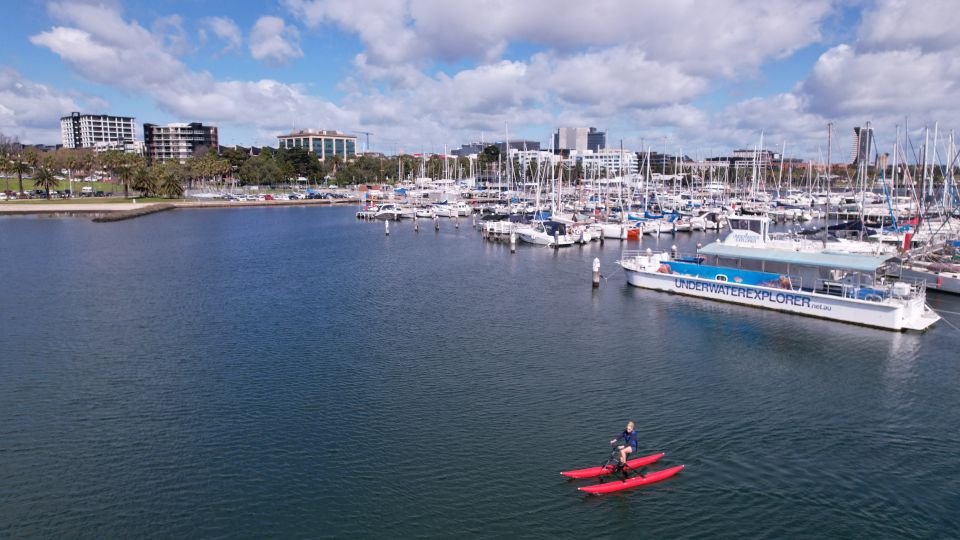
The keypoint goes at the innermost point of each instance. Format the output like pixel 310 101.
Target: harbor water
pixel 296 373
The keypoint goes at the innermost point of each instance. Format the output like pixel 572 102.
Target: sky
pixel 698 77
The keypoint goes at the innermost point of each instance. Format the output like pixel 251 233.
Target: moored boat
pixel 848 288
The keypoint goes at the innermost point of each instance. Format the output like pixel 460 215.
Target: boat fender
pixel 664 269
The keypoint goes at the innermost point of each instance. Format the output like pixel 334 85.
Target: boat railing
pixel 499 227
pixel 879 292
pixel 628 254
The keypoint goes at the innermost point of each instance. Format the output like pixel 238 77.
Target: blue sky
pixel 706 75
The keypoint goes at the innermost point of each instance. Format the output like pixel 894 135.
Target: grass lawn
pixel 91 200
pixel 10 183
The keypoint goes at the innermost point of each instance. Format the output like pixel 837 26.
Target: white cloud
pixel 908 81
pixel 904 65
pixel 436 72
pixel 227 30
pixel 717 37
pixel 614 79
pixel 898 24
pixel 104 48
pixel 271 40
pixel 170 33
pixel 603 63
pixel 30 110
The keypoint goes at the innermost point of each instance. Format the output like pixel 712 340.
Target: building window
pixel 339 147
pixel 351 148
pixel 327 148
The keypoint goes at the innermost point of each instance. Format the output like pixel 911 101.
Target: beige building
pixel 322 143
pixel 177 142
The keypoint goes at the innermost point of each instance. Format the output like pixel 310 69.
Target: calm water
pixel 295 373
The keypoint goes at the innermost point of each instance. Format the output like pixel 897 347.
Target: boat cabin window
pixel 746 225
pixel 721 277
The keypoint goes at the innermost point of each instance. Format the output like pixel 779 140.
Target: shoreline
pixel 136 209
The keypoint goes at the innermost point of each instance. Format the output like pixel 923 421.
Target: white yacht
pixel 546 233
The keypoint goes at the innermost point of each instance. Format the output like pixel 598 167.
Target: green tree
pixel 262 169
pixel 111 162
pixel 490 155
pixel 334 163
pixel 236 157
pixel 44 178
pixel 124 169
pixel 19 166
pixel 143 180
pixel 169 178
pixel 297 161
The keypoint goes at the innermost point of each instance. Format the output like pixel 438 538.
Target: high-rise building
pixel 860 147
pixel 177 142
pixel 100 132
pixel 322 143
pixel 596 140
pixel 579 139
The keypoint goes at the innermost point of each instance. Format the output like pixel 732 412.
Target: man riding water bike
pixel 629 438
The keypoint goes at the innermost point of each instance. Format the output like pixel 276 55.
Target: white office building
pixel 608 161
pixel 101 132
pixel 524 158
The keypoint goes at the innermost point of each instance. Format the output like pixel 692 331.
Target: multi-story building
pixel 322 143
pixel 513 144
pixel 525 158
pixel 596 140
pixel 99 131
pixel 608 161
pixel 177 142
pixel 748 158
pixel 579 139
pixel 860 147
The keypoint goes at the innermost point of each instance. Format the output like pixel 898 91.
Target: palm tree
pixel 4 169
pixel 44 178
pixel 335 162
pixel 19 166
pixel 126 165
pixel 169 183
pixel 113 162
pixel 142 180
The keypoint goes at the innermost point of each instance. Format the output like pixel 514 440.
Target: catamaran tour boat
pixel 846 287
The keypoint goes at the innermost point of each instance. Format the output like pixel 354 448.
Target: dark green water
pixel 295 373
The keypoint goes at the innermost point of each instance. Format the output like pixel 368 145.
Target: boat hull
pixel 947 282
pixel 911 315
